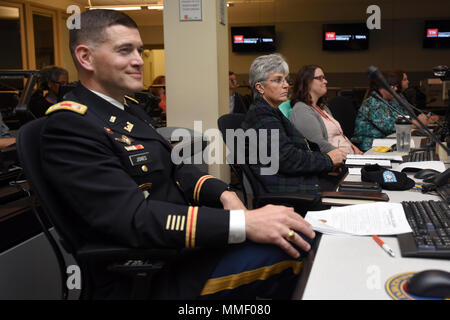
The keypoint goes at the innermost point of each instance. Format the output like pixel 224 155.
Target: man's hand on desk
pixel 273 224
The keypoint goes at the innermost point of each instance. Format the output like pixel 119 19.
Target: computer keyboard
pixel 430 222
pixel 421 155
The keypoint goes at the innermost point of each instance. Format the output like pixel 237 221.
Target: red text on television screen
pixel 330 35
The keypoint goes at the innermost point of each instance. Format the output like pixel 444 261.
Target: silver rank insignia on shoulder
pixel 112 119
pixel 125 139
pixel 129 126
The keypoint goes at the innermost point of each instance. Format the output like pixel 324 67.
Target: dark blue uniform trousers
pixel 250 270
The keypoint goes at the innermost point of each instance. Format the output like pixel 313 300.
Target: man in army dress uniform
pixel 115 172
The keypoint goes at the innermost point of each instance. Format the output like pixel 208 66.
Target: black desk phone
pixel 440 184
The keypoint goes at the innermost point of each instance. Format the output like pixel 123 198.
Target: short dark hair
pixel 93 24
pixel 50 73
pixel 390 78
pixel 399 74
pixel 300 90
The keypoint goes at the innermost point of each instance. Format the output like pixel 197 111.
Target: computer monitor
pixel 436 34
pixel 253 39
pixel 345 36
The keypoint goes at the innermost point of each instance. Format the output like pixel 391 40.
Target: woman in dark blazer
pixel 300 161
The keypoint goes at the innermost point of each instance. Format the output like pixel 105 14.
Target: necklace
pixel 333 121
pixel 51 99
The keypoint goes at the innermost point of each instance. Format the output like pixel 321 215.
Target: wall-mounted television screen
pixel 437 34
pixel 348 36
pixel 253 39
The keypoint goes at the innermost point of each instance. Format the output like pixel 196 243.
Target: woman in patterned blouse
pixel 375 119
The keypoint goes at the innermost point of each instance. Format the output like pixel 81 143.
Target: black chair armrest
pixel 125 260
pixel 108 252
pixel 301 202
pixel 286 196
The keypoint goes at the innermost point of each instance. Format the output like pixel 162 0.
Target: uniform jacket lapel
pixel 133 124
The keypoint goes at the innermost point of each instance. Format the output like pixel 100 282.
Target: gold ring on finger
pixel 291 235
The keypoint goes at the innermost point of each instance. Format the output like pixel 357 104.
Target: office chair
pixel 358 96
pixel 261 196
pixel 233 121
pixel 116 258
pixel 345 113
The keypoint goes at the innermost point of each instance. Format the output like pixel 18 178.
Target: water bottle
pixel 403 132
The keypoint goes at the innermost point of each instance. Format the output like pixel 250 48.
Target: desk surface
pixel 351 267
pixel 357 268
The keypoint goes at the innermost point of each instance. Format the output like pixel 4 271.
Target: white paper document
pixel 363 162
pixel 375 156
pixel 380 218
pixel 436 165
pixel 354 171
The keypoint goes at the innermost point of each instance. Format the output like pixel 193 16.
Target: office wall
pixel 60 4
pixel 68 63
pixel 299 27
pixel 152 35
pixel 197 74
pixel 299 23
pixel 397 45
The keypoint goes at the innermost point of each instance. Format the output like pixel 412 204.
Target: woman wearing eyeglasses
pixel 50 81
pixel 300 161
pixel 311 116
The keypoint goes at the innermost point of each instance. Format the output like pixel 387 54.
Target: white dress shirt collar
pixel 110 100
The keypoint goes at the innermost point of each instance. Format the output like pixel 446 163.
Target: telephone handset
pixel 439 179
pixel 440 184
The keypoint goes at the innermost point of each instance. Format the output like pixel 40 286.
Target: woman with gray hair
pixel 300 161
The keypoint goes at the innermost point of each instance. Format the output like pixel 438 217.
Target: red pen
pixel 383 245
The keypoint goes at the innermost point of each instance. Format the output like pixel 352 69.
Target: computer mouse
pixel 425 173
pixel 430 283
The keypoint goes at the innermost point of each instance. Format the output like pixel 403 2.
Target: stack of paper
pixel 388 143
pixel 380 218
pixel 376 156
pixel 363 162
pixel 436 165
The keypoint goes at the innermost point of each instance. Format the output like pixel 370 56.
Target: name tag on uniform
pixel 140 158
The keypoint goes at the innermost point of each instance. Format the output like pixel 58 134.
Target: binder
pixel 338 198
